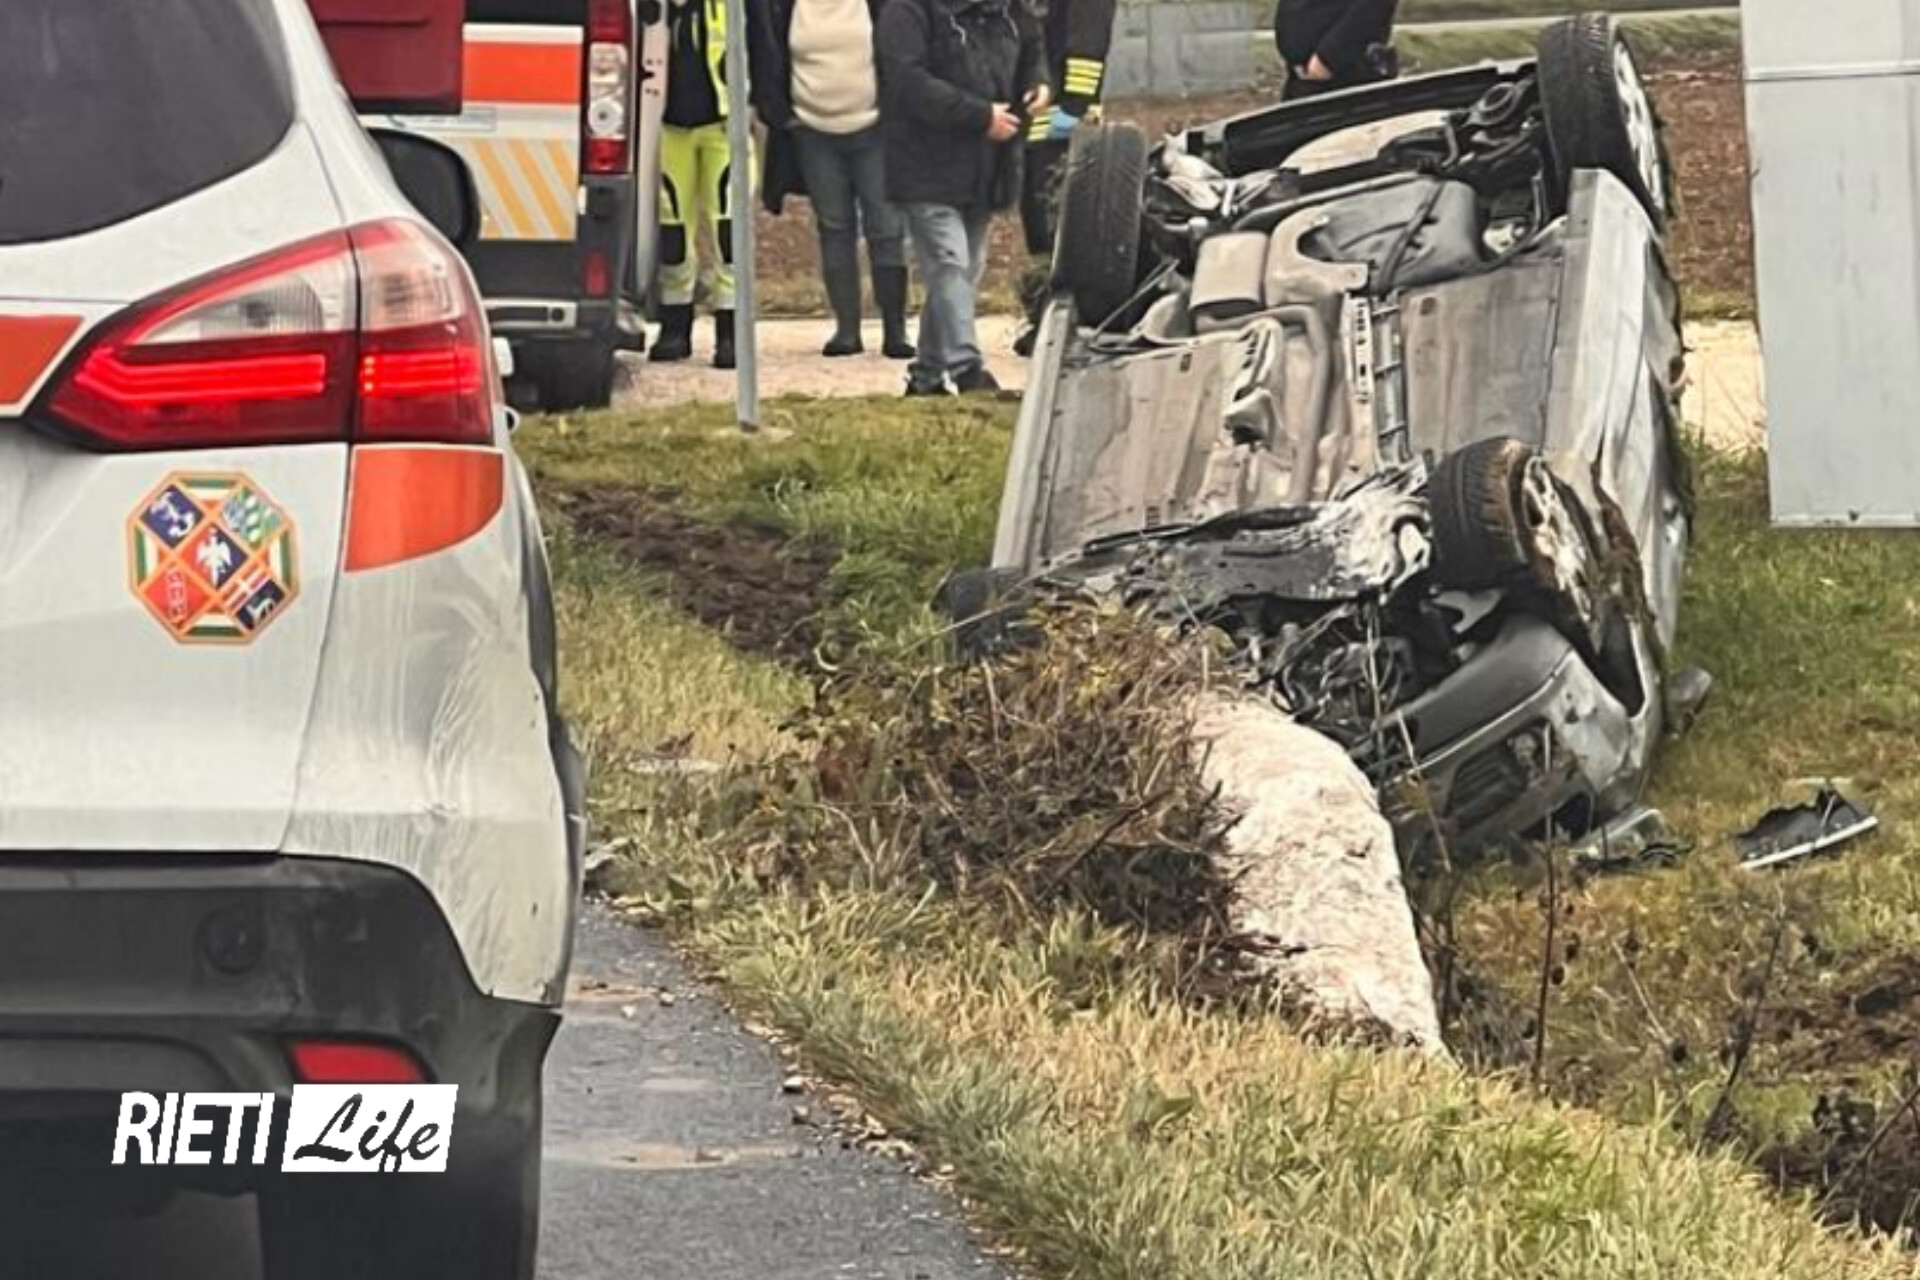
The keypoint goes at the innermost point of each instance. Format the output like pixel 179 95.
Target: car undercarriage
pixel 1384 388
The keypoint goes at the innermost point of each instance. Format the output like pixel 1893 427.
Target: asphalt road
pixel 672 1154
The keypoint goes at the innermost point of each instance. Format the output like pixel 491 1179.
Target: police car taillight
pixel 372 334
pixel 606 113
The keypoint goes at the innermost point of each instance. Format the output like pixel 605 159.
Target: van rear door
pixel 396 55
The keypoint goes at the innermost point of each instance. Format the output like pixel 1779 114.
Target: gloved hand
pixel 1056 125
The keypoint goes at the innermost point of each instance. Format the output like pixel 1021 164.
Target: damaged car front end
pixel 1387 394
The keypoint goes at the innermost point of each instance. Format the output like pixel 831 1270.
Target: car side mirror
pixel 435 178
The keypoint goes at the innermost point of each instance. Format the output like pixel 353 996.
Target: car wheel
pixel 1598 113
pixel 576 374
pixel 1096 252
pixel 1501 519
pixel 482 1223
pixel 978 604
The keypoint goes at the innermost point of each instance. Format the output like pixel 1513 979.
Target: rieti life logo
pixel 331 1128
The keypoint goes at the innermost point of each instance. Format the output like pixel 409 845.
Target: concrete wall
pixel 1173 48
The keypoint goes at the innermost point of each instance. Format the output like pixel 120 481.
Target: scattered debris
pixel 1827 821
pixel 794 1084
pixel 597 871
pixel 667 999
pixel 628 1011
pixel 1636 841
pixel 801 1115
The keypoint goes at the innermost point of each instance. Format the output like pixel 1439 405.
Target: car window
pixel 111 108
pixel 528 12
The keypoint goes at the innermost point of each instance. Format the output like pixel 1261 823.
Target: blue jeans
pixel 951 244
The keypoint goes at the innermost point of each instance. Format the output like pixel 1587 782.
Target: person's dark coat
pixel 771 22
pixel 943 64
pixel 1339 32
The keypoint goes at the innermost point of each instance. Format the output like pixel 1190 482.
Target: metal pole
pixel 740 147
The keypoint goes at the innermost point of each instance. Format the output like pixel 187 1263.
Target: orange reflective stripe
pixel 28 344
pixel 545 194
pixel 407 502
pixel 528 74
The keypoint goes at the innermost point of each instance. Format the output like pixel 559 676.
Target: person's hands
pixel 1039 98
pixel 1056 125
pixel 1316 69
pixel 1003 126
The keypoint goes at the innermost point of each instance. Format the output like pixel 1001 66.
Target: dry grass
pixel 1111 1130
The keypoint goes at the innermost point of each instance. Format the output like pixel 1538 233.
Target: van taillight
pixel 606 113
pixel 372 334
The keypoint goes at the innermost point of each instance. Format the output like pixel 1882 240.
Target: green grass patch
pixel 900 491
pixel 1814 638
pixel 1109 1129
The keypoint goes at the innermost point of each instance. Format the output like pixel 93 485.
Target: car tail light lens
pixel 352 1062
pixel 260 353
pixel 606 138
pixel 374 333
pixel 425 358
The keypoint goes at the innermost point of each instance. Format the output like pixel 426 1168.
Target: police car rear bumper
pixel 168 974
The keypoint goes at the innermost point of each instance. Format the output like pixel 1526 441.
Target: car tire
pixel 1096 252
pixel 1598 113
pixel 576 374
pixel 480 1223
pixel 979 605
pixel 1501 519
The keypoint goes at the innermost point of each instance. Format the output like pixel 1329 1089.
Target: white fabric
pixel 830 43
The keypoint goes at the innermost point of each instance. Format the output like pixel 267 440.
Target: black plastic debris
pixel 1827 821
pixel 1638 840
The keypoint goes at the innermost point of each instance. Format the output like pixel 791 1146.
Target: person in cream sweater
pixel 820 100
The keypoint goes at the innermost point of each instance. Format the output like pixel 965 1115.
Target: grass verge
pixel 1109 1130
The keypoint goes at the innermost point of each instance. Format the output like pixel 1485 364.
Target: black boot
pixel 675 340
pixel 843 295
pixel 890 291
pixel 723 340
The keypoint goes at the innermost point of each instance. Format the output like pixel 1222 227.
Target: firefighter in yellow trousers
pixel 696 168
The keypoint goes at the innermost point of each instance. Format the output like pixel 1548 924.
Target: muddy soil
pixel 1712 243
pixel 1872 1021
pixel 744 578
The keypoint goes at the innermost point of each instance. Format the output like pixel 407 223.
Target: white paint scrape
pixel 1318 880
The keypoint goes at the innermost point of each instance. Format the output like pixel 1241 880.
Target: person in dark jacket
pixel 1334 44
pixel 817 91
pixel 959 79
pixel 1079 34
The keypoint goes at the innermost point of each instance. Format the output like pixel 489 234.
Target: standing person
pixel 1078 34
pixel 695 177
pixel 1334 44
pixel 818 92
pixel 956 79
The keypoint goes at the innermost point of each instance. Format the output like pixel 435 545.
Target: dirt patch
pixel 743 578
pixel 1712 243
pixel 1862 1166
pixel 1871 1021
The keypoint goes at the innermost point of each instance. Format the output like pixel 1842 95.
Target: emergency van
pixel 558 122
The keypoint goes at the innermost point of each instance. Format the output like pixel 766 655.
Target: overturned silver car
pixel 1384 384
